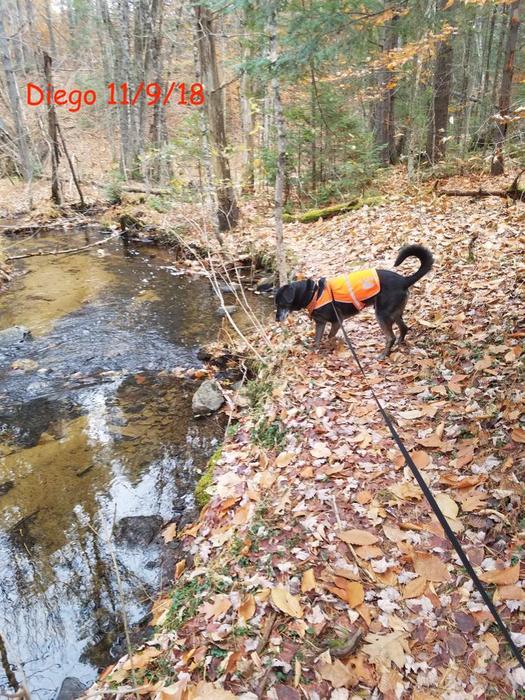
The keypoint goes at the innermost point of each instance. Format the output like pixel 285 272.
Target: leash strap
pixel 433 503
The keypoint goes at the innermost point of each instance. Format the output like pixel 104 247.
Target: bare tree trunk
pixel 437 132
pixel 280 177
pixel 227 212
pixel 247 121
pixel 53 134
pixel 384 126
pixel 50 30
pixel 22 137
pixel 497 165
pixel 499 56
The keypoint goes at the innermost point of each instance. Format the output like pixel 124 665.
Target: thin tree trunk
pixel 227 212
pixel 22 137
pixel 437 132
pixel 53 134
pixel 497 165
pixel 464 104
pixel 247 121
pixel 499 56
pixel 280 177
pixel 384 114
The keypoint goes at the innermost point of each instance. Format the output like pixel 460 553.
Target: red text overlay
pixel 121 94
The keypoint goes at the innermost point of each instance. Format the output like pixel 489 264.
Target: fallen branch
pixel 66 250
pixel 512 192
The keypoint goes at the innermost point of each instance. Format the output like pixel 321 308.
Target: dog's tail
pixel 422 254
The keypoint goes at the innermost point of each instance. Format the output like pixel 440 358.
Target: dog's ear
pixel 287 294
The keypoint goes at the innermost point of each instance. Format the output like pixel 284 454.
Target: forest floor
pixel 316 531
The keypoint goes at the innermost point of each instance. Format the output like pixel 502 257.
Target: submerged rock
pixel 70 689
pixel 6 487
pixel 266 284
pixel 15 335
pixel 138 529
pixel 207 399
pixel 229 288
pixel 225 310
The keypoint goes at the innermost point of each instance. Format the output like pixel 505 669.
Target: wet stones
pixel 70 689
pixel 13 337
pixel 225 310
pixel 6 487
pixel 207 399
pixel 138 530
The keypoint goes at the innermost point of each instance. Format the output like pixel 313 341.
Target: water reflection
pixel 97 430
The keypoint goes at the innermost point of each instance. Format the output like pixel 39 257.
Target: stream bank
pixel 98 448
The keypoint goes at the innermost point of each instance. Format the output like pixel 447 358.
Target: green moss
pixel 202 496
pixel 336 209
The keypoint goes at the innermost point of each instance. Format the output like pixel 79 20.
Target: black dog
pixel 389 298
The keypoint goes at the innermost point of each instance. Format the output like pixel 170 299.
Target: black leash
pixel 433 503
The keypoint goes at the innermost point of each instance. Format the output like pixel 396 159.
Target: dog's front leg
pixel 319 330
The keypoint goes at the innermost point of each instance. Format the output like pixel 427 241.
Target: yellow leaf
pixel 284 459
pixel 448 505
pixel 207 691
pixel 308 581
pixel 247 607
pixel 385 649
pixel 286 602
pixel 141 659
pixel 357 537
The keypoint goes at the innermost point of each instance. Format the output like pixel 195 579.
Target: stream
pixel 98 446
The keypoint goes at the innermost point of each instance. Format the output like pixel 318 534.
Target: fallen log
pixel 513 192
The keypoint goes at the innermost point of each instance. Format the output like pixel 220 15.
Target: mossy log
pixel 334 210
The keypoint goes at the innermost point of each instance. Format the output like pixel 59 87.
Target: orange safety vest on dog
pixel 353 288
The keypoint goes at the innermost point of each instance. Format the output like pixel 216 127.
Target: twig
pixel 65 251
pixel 267 631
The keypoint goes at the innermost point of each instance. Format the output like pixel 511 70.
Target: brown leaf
pixel 357 537
pixel 457 645
pixel 466 623
pixel 218 608
pixel 170 532
pixel 369 551
pixel 502 577
pixel 415 588
pixel 286 602
pixel 430 567
pixel 518 435
pixel 339 675
pixel 247 607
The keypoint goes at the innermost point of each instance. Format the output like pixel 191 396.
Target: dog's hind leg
pixel 403 329
pixel 319 330
pixel 334 329
pixel 390 338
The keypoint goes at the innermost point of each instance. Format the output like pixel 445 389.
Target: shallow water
pixel 94 427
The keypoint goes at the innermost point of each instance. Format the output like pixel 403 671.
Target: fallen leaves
pixel 336 673
pixel 358 537
pixel 247 607
pixel 501 577
pixel 430 567
pixel 387 649
pixel 286 602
